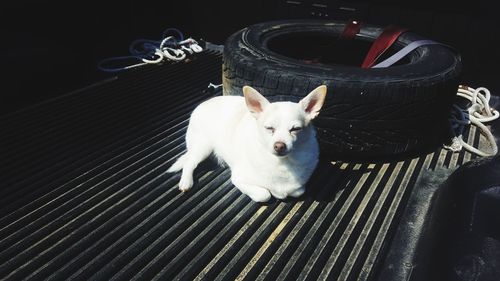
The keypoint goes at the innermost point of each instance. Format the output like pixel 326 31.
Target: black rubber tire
pixel 368 112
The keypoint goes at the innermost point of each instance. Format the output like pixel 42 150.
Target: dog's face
pixel 282 125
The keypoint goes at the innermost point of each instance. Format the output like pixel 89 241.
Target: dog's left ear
pixel 313 102
pixel 256 102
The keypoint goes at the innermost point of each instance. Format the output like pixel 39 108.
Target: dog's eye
pixel 270 129
pixel 295 129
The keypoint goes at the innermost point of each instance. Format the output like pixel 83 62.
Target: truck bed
pixel 85 195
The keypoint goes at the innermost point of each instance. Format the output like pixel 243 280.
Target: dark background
pixel 52 48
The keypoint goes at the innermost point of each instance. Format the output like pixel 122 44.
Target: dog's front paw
pixel 185 184
pixel 298 192
pixel 279 195
pixel 259 195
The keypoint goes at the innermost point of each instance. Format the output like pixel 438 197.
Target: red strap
pixel 351 29
pixel 381 44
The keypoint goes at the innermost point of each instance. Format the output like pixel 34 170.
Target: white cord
pixel 476 114
pixel 147 51
pixel 214 86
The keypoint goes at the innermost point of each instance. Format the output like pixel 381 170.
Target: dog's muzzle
pixel 280 148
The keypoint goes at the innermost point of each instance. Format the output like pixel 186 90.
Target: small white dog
pixel 271 148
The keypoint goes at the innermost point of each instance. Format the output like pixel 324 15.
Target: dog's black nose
pixel 279 147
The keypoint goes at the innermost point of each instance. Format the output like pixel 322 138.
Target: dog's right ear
pixel 256 102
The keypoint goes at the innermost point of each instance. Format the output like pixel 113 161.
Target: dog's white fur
pixel 243 133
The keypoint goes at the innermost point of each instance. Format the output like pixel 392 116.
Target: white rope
pixel 478 112
pixel 170 48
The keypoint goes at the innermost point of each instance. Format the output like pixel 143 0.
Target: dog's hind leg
pixel 192 158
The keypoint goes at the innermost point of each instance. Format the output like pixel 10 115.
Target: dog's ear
pixel 256 102
pixel 313 102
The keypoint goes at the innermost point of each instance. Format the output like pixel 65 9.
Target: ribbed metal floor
pixel 84 195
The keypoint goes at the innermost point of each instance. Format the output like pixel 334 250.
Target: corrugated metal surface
pixel 84 195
